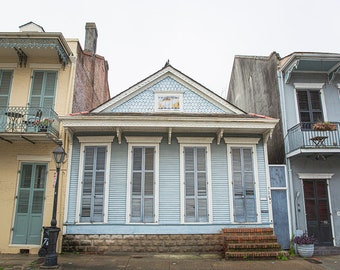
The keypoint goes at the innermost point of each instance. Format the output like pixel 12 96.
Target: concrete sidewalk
pixel 165 261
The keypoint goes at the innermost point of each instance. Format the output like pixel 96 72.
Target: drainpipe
pixel 289 169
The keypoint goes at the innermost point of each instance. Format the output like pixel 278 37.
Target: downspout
pixel 266 137
pixel 285 132
pixel 69 134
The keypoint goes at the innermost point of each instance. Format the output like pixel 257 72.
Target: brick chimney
pixel 91 36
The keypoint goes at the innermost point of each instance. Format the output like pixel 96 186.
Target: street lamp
pixel 51 259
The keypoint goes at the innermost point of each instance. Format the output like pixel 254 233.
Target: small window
pixel 168 102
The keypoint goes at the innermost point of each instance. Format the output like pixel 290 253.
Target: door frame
pixel 322 177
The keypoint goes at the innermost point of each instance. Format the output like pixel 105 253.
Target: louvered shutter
pixel 196 200
pixel 92 205
pixel 237 186
pixel 5 86
pixel 43 89
pixel 310 107
pixel 142 195
pixel 243 185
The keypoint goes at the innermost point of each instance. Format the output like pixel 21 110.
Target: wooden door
pixel 317 211
pixel 30 204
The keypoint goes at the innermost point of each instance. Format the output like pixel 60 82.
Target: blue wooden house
pixel 165 160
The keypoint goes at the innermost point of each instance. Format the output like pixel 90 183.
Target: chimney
pixel 91 36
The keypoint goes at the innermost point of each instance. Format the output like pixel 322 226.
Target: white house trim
pixel 311 86
pixel 239 140
pixel 195 140
pixel 45 66
pixel 95 139
pixel 34 158
pixel 8 65
pixel 327 176
pixel 143 139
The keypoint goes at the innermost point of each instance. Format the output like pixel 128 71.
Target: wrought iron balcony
pixel 304 136
pixel 28 120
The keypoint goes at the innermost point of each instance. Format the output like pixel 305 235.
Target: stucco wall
pixel 254 88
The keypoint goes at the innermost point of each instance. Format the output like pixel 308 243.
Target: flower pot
pixel 305 250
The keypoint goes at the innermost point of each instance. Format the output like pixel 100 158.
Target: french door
pixel 30 204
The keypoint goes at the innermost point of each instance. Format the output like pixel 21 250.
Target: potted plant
pixel 323 126
pixel 305 245
pixel 43 124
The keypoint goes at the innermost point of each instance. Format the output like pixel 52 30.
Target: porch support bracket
pixel 119 135
pixel 169 135
pixel 219 134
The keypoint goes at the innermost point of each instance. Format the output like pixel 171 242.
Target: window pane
pixel 40 176
pixel 137 184
pixel 189 158
pixel 137 158
pixel 201 159
pixel 149 158
pixel 148 186
pixel 38 197
pixel 26 176
pixel 189 184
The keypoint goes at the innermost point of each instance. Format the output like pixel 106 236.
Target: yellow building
pixel 42 76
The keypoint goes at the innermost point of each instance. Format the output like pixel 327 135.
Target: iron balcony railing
pixel 303 135
pixel 15 119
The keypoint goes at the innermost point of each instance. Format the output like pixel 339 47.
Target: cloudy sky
pixel 200 38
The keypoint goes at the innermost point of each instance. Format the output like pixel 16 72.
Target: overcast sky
pixel 200 38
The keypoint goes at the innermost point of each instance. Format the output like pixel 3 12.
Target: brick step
pixel 268 231
pixel 249 255
pixel 250 238
pixel 249 246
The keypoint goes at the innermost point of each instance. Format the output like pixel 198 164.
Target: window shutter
pixel 243 185
pixel 310 107
pixel 5 85
pixel 196 200
pixel 143 182
pixel 92 208
pixel 43 89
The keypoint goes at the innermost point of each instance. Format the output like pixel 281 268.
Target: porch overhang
pixel 26 45
pixel 313 63
pixel 172 125
pixel 37 138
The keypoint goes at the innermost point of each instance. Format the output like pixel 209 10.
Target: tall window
pixel 143 184
pixel 43 89
pixel 93 184
pixel 5 86
pixel 310 107
pixel 243 181
pixel 196 184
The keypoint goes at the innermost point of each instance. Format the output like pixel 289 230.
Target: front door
pixel 317 211
pixel 30 204
pixel 243 185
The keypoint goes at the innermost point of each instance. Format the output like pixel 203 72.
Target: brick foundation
pixel 160 243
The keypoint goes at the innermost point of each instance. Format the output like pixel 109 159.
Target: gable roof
pixel 186 81
pixel 136 110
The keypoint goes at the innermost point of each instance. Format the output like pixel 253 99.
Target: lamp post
pixel 51 259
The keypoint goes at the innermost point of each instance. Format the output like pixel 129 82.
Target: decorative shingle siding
pixel 192 102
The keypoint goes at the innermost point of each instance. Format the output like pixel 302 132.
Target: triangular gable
pixel 168 90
